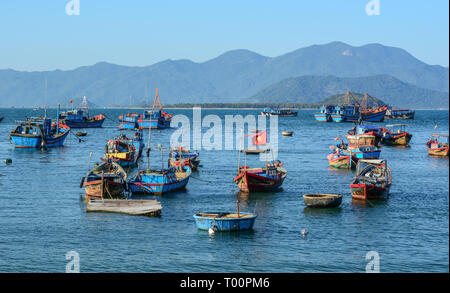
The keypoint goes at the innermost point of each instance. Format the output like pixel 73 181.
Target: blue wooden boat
pixel 155 118
pixel 180 156
pixel 77 119
pixel 325 113
pixel 129 121
pixel 158 182
pixel 39 133
pixel 224 221
pixel 360 147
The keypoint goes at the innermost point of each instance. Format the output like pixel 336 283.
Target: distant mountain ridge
pixel 231 77
pixel 311 89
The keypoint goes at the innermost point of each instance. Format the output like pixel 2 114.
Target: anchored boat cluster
pixel 109 188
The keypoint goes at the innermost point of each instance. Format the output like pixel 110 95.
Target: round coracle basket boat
pixel 321 200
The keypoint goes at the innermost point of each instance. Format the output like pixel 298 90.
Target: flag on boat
pixel 259 138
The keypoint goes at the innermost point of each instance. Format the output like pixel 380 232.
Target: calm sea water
pixel 42 216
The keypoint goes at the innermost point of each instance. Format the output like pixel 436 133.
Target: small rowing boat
pixel 225 221
pixel 320 200
pixel 287 133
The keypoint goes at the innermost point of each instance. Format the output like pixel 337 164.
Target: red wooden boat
pixel 268 178
pixel 373 180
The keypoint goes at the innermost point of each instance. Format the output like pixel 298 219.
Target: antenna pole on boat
pixel 148 149
pixel 57 119
pixel 162 159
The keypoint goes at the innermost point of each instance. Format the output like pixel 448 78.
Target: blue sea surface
pixel 42 215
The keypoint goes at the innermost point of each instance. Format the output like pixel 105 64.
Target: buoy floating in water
pixel 211 231
pixel 304 232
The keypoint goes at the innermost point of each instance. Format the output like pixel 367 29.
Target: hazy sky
pixel 39 35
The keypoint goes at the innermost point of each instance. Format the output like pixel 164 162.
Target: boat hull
pixel 250 182
pixel 363 191
pixel 374 117
pixel 341 162
pixel 362 154
pixel 322 117
pixel 159 184
pixel 245 222
pixel 84 124
pixel 439 152
pixel 400 139
pixel 35 141
pixel 93 189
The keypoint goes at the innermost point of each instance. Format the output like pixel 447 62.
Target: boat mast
pixel 157 100
pixel 148 149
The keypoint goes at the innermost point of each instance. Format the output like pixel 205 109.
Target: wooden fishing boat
pixel 155 118
pixel 224 221
pixel 373 180
pixel 287 133
pixel 278 112
pixel 81 133
pixel 325 114
pixel 124 150
pixel 135 207
pixel 129 121
pixel 180 156
pixel 360 147
pixel 436 147
pixel 268 178
pixel 396 135
pixel 158 182
pixel 367 130
pixel 107 180
pixel 340 161
pixel 77 119
pixel 399 114
pixel 39 133
pixel 320 200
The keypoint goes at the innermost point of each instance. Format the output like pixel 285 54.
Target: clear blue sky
pixel 38 35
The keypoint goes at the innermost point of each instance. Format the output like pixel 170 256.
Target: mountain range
pixel 240 76
pixel 313 89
